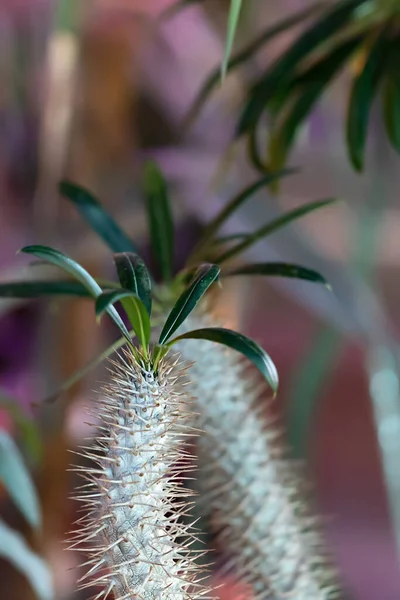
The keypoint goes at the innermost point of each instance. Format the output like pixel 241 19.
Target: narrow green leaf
pixel 97 217
pixel 278 270
pixel 28 432
pixel 135 309
pixel 242 56
pixel 273 226
pixel 307 89
pixel 14 549
pixel 17 481
pixel 361 98
pixel 160 218
pixel 225 239
pixel 66 263
pixel 233 20
pixel 238 342
pixel 232 206
pixel 133 275
pixel 391 96
pixel 205 276
pixel 283 68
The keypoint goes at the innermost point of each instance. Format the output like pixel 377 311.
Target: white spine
pixel 137 545
pixel 249 489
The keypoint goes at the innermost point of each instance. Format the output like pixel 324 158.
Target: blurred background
pixel 88 91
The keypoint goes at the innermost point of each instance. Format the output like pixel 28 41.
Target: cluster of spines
pixel 133 531
pixel 250 490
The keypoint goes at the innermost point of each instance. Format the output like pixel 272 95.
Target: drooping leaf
pixel 273 226
pixel 205 276
pixel 28 430
pixel 242 56
pixel 228 210
pixel 391 96
pixel 66 263
pixel 278 270
pixel 134 307
pixel 361 98
pixel 307 89
pixel 238 342
pixel 133 275
pixel 233 20
pixel 14 549
pixel 17 481
pixel 283 68
pixel 97 217
pixel 160 218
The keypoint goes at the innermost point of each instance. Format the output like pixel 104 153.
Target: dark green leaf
pixel 391 96
pixel 36 289
pixel 97 217
pixel 279 270
pixel 134 307
pixel 238 342
pixel 234 205
pixel 14 549
pixel 66 263
pixel 205 275
pixel 17 481
pixel 273 226
pixel 283 68
pixel 233 20
pixel 241 57
pixel 160 218
pixel 133 275
pixel 361 98
pixel 307 89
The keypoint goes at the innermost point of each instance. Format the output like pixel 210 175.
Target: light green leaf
pixel 78 272
pixel 233 20
pixel 14 549
pixel 238 342
pixel 135 309
pixel 28 430
pixel 204 277
pixel 17 480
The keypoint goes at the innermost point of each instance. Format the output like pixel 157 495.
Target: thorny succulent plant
pixel 249 492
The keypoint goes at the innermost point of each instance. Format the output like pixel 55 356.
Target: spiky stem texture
pixel 137 546
pixel 250 490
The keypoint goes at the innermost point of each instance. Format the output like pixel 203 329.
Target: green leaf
pixel 391 96
pixel 204 277
pixel 135 309
pixel 14 549
pixel 307 89
pixel 160 218
pixel 283 68
pixel 278 270
pixel 36 289
pixel 66 263
pixel 27 428
pixel 234 205
pixel 233 20
pixel 17 480
pixel 97 217
pixel 238 342
pixel 241 57
pixel 361 98
pixel 133 275
pixel 273 226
